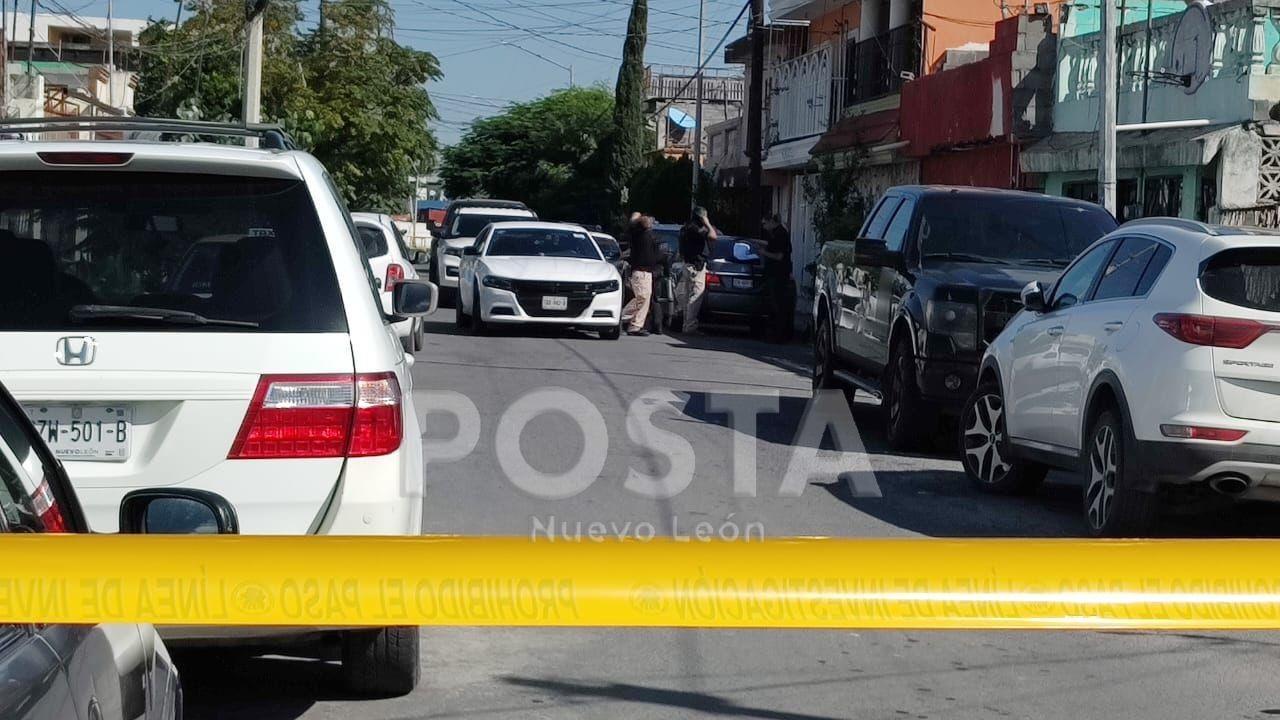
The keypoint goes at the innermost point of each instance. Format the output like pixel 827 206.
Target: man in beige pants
pixel 697 241
pixel 644 259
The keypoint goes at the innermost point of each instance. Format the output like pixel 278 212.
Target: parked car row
pixel 1141 356
pixel 204 318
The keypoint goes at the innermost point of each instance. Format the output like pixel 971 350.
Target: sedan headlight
pixel 956 320
pixel 606 286
pixel 498 283
pixel 454 251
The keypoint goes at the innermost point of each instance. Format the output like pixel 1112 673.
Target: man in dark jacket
pixel 779 287
pixel 697 240
pixel 644 260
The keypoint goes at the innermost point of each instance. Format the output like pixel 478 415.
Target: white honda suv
pixel 1151 366
pixel 200 315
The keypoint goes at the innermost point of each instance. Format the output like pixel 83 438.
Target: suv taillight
pixel 321 416
pixel 395 274
pixel 47 509
pixel 1221 332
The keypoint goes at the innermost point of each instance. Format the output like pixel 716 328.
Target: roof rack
pixel 272 136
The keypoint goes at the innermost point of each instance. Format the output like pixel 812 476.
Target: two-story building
pixel 1212 73
pixel 671 93
pixel 63 68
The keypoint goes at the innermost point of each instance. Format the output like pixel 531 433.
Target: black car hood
pixel 1010 278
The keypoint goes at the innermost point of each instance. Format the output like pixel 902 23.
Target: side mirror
pixel 414 298
pixel 744 253
pixel 420 257
pixel 177 511
pixel 872 252
pixel 471 250
pixel 1033 297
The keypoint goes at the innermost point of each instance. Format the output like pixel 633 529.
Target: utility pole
pixel 111 59
pixel 697 116
pixel 755 110
pixel 31 37
pixel 1107 110
pixel 253 67
pixel 4 62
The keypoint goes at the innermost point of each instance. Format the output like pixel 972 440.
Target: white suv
pixel 391 262
pixel 1151 366
pixel 201 316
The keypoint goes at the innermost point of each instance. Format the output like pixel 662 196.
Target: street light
pixel 542 57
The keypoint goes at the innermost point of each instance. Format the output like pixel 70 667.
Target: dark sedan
pixel 735 282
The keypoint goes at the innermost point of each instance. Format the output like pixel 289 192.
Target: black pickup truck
pixel 906 310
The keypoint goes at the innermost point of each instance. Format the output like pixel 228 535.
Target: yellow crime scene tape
pixel 775 583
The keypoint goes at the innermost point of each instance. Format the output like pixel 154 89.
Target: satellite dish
pixel 1191 54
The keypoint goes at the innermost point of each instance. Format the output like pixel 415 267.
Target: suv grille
pixel 997 310
pixel 529 294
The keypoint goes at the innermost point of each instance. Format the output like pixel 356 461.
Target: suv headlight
pixel 956 320
pixel 499 283
pixel 606 286
pixel 454 251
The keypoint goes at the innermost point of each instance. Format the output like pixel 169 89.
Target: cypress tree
pixel 626 146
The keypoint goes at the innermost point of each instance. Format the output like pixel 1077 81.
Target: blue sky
pixel 482 75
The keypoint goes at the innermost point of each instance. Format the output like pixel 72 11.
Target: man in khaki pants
pixel 644 258
pixel 697 240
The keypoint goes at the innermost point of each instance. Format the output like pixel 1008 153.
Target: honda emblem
pixel 76 351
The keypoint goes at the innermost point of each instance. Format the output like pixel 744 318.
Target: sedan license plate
pixel 742 283
pixel 555 302
pixel 84 432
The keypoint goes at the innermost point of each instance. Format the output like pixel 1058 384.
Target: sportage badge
pixel 76 350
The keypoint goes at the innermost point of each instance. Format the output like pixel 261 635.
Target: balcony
pixel 799 92
pixel 1227 72
pixel 876 66
pixel 669 82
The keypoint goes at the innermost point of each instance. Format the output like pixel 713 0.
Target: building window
pixel 1163 196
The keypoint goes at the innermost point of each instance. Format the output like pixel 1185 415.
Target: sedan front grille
pixel 529 294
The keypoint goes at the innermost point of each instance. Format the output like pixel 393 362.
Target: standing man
pixel 778 285
pixel 644 259
pixel 697 240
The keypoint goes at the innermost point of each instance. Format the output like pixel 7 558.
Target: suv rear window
pixel 1247 277
pixel 1009 228
pixel 373 240
pixel 165 251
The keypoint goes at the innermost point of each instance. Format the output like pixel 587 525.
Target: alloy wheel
pixel 1103 469
pixel 983 437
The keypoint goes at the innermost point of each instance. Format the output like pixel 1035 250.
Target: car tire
pixel 383 662
pixel 460 318
pixel 419 336
pixel 986 451
pixel 477 322
pixel 613 332
pixel 433 273
pixel 908 418
pixel 1113 504
pixel 824 356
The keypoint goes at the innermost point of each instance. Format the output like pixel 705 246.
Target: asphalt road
pixel 535 673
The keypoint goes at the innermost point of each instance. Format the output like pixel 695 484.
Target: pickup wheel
pixel 823 355
pixel 908 418
pixel 988 455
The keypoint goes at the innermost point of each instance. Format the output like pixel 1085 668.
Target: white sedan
pixel 538 272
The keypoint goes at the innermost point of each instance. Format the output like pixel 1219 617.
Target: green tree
pixel 546 153
pixel 832 193
pixel 626 144
pixel 663 187
pixel 346 91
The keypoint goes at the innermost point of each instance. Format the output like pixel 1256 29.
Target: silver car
pixel 85 672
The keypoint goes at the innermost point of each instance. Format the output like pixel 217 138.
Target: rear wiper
pixel 89 313
pixel 1046 261
pixel 963 257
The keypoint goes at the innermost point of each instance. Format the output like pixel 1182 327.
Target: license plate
pixel 555 302
pixel 741 283
pixel 84 432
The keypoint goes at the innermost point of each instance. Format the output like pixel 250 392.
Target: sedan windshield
pixel 529 242
pixel 959 227
pixel 470 225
